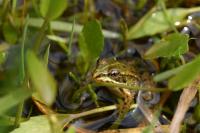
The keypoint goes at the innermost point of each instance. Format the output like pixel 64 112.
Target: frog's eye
pixel 114 72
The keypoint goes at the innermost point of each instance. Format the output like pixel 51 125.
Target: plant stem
pixel 93 95
pixel 41 35
pixel 70 117
pixel 4 9
pixel 71 39
pixel 18 114
pixel 171 22
pixel 194 9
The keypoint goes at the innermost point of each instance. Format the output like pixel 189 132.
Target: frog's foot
pixel 117 122
pixel 123 108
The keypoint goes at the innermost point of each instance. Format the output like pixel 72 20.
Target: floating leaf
pixel 41 78
pixel 173 44
pixel 154 23
pixel 186 75
pixel 52 8
pixel 91 41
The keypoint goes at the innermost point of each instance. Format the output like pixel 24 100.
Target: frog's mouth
pixel 106 79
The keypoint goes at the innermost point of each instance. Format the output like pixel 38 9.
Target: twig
pixel 184 102
pixel 70 117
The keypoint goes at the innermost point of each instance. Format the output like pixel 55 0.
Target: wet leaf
pixel 52 9
pixel 186 75
pixel 174 44
pixel 91 41
pixel 156 22
pixel 41 78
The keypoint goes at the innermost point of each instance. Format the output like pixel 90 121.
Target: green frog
pixel 110 71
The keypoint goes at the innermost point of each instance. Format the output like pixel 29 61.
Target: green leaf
pixel 91 41
pixel 38 124
pixel 41 78
pixel 13 98
pixel 52 9
pixel 186 75
pixel 164 75
pixel 153 23
pixel 174 44
pixel 10 33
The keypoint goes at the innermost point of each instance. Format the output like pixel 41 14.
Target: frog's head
pixel 115 72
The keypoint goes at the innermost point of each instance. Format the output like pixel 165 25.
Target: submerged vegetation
pixel 99 66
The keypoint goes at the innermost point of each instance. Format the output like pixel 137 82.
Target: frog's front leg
pixel 123 106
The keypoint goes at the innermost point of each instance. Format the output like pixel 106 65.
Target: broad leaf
pixel 41 78
pixel 174 44
pixel 156 22
pixel 52 9
pixel 38 124
pixel 91 41
pixel 186 75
